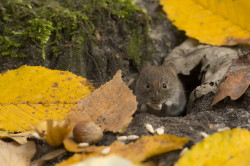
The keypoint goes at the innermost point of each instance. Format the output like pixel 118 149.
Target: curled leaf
pixel 54 132
pixel 237 81
pixel 142 149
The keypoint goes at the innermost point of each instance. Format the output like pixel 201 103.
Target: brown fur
pixel 156 94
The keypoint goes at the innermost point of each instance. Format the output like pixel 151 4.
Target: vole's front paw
pixel 169 103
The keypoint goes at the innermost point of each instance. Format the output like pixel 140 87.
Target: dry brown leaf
pixel 54 132
pixel 13 154
pixel 20 138
pixel 237 81
pixel 111 106
pixel 48 156
pixel 136 152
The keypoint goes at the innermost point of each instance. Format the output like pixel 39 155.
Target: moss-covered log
pixel 92 38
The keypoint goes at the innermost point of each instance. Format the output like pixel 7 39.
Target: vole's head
pixel 156 84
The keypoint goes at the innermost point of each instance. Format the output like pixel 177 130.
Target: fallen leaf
pixel 72 160
pixel 211 62
pixel 216 22
pixel 13 154
pixel 32 94
pixel 241 159
pixel 137 152
pixel 48 156
pixel 20 138
pixel 111 160
pixel 54 132
pixel 236 82
pixel 111 106
pixel 219 149
pixel 71 146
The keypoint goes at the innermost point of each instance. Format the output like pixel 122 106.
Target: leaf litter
pixel 237 80
pixel 111 108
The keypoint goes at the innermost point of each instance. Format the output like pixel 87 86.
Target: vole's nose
pixel 155 99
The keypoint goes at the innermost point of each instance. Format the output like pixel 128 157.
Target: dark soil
pixel 201 118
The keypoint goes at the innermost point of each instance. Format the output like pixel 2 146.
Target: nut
pixel 87 132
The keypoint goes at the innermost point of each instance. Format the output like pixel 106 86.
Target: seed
pixel 183 151
pixel 36 135
pixel 122 138
pixel 160 130
pixel 106 150
pixel 83 144
pixel 223 129
pixel 203 134
pixel 133 137
pixel 150 128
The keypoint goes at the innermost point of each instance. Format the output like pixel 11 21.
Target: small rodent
pixel 159 90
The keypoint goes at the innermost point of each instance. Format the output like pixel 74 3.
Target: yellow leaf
pixel 71 146
pixel 241 159
pixel 32 94
pixel 217 22
pixel 137 152
pixel 13 154
pixel 219 149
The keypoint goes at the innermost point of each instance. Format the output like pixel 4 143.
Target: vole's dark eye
pixel 148 85
pixel 164 85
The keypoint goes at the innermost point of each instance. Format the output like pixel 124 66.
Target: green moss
pixel 6 46
pixel 39 31
pixel 134 47
pixel 46 26
pixel 58 27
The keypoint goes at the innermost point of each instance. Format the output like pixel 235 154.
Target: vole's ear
pixel 172 68
pixel 145 65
